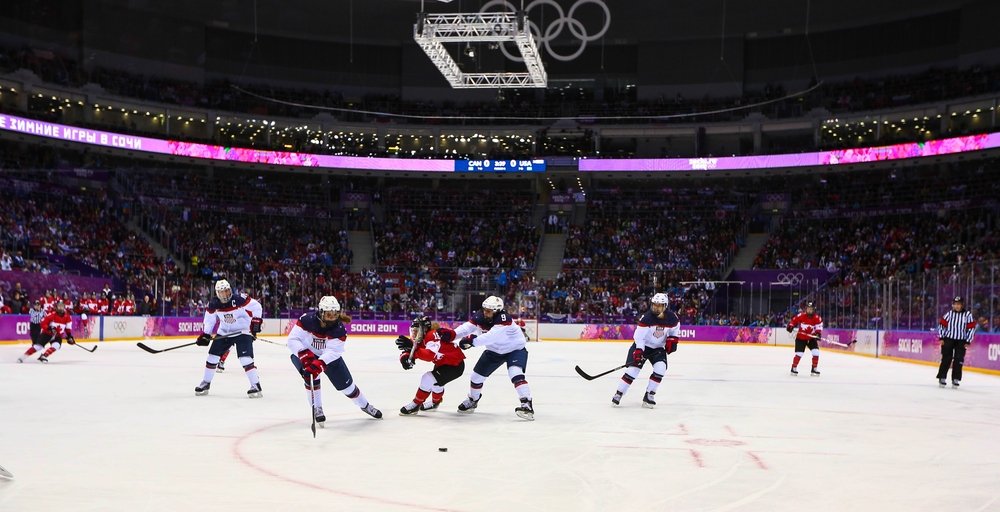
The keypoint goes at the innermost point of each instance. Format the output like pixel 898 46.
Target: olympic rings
pixel 791 277
pixel 564 20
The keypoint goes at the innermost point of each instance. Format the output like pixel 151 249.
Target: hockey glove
pixel 256 324
pixel 70 339
pixel 403 343
pixel 466 342
pixel 404 360
pixel 637 357
pixel 789 328
pixel 203 340
pixel 306 357
pixel 315 367
pixel 671 344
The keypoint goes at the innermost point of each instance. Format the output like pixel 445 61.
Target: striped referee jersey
pixel 36 315
pixel 957 326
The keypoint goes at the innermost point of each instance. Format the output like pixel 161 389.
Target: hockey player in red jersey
pixel 56 326
pixel 810 326
pixel 437 345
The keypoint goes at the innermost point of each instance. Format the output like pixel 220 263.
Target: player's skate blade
pixel 202 388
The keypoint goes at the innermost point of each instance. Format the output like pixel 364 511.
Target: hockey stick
pixel 154 351
pixel 837 343
pixel 592 377
pixel 5 474
pixel 265 340
pixel 312 401
pixel 85 348
pixel 416 341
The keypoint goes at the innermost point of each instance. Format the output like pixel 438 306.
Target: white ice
pixel 121 430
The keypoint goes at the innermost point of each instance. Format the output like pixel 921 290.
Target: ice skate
pixel 409 409
pixel 794 371
pixel 20 359
pixel 942 382
pixel 202 388
pixel 955 383
pixel 468 405
pixel 525 410
pixel 430 406
pixel 43 359
pixel 617 399
pixel 320 417
pixel 648 401
pixel 221 368
pixel 814 372
pixel 255 391
pixel 372 411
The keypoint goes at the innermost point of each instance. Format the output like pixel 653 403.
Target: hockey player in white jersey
pixel 239 319
pixel 317 344
pixel 505 343
pixel 655 337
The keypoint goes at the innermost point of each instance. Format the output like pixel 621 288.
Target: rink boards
pixel 913 346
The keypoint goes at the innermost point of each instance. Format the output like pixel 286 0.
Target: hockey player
pixel 317 344
pixel 655 337
pixel 436 346
pixel 810 326
pixel 56 326
pixel 239 319
pixel 504 342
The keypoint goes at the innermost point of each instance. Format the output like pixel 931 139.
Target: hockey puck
pixel 442 449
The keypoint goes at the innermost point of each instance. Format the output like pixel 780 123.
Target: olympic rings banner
pixel 839 157
pixel 568 25
pixel 781 277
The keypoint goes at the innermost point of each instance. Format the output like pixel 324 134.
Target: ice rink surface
pixel 121 430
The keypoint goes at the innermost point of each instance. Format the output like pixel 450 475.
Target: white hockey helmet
pixel 660 298
pixel 223 286
pixel 329 303
pixel 493 303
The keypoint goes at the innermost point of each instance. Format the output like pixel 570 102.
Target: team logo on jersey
pixel 319 343
pixel 659 331
pixel 229 318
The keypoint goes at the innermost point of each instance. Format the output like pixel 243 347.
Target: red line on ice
pixel 697 458
pixel 756 458
pixel 249 463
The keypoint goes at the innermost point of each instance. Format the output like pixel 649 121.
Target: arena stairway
pixel 550 255
pixel 360 243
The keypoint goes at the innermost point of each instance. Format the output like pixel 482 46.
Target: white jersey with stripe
pixel 504 337
pixel 326 340
pixel 232 317
pixel 653 331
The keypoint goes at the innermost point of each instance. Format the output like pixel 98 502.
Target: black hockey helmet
pixel 810 304
pixel 958 299
pixel 421 322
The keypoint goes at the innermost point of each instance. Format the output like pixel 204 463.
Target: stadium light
pixel 432 31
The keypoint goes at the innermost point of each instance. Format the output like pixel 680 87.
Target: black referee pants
pixel 36 334
pixel 953 355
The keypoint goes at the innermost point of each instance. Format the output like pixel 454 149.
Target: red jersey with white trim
pixel 438 347
pixel 103 306
pixel 57 325
pixel 128 307
pixel 810 326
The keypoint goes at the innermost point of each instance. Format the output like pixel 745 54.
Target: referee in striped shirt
pixel 37 314
pixel 956 329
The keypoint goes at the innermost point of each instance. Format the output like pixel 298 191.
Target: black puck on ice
pixel 442 449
